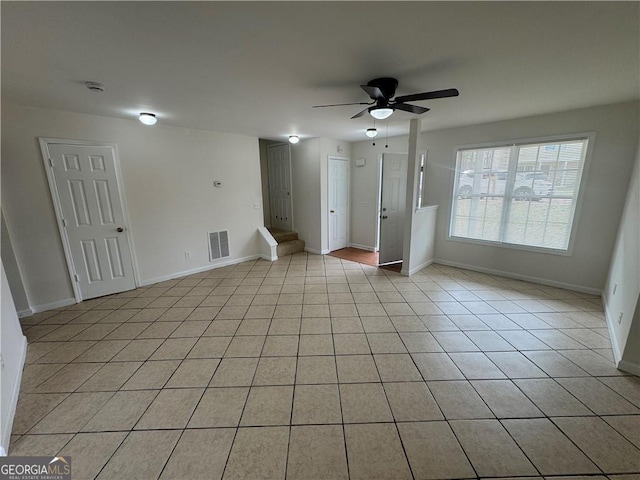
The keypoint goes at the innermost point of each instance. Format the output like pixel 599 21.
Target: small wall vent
pixel 218 245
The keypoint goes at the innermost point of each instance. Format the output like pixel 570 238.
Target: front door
pixel 392 205
pixel 280 187
pixel 88 193
pixel 338 203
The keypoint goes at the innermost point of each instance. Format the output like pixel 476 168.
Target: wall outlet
pixel 187 255
pixel 620 318
pixel 256 205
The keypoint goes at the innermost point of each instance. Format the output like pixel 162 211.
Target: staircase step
pixel 290 247
pixel 282 236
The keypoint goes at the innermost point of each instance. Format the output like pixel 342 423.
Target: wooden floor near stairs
pixel 363 256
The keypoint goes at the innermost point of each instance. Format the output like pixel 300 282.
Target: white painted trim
pixel 629 367
pixel 204 268
pixel 15 392
pixel 426 209
pixel 362 247
pixel 517 276
pixel 44 148
pixel 408 273
pixel 50 306
pixel 27 312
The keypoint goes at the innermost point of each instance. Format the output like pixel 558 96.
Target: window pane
pixel 545 192
pixel 524 194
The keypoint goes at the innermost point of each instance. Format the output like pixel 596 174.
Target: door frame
pixel 293 227
pixel 348 232
pixel 57 205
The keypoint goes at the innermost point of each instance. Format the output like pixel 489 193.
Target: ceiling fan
pixel 381 92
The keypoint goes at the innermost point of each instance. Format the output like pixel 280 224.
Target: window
pixel 522 194
pixel 422 184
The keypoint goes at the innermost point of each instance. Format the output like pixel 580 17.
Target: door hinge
pixel 51 163
pixel 76 277
pixel 64 223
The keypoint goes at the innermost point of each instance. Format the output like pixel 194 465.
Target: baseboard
pixel 316 252
pixel 25 313
pixel 50 306
pixel 271 258
pixel 204 268
pixel 517 276
pixel 15 391
pixel 629 367
pixel 362 247
pixel 408 273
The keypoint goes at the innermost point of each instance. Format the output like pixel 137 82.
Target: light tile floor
pixel 314 367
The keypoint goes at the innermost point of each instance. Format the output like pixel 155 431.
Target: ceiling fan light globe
pixel 371 132
pixel 381 113
pixel 148 118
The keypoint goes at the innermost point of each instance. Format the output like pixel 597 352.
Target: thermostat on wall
pixel 217 183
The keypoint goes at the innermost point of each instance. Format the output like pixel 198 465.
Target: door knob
pixel 120 229
pixel 332 211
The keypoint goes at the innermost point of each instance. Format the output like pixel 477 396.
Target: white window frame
pixel 589 136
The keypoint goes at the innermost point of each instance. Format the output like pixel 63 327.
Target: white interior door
pixel 392 206
pixel 280 186
pixel 338 203
pixel 93 220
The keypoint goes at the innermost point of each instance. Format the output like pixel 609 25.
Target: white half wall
pixel 168 176
pixel 13 350
pixel 621 295
pixel 615 146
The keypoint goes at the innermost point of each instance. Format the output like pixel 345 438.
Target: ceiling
pixel 256 68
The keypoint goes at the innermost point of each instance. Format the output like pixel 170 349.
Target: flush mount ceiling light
pixel 294 139
pixel 380 113
pixel 371 132
pixel 148 118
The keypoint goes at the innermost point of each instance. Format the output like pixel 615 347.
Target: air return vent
pixel 218 245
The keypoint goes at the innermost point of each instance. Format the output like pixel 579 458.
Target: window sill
pixel 513 246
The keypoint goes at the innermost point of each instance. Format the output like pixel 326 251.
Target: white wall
pixel 309 170
pixel 168 175
pixel 13 348
pixel 305 179
pixel 329 147
pixel 13 272
pixel 616 128
pixel 622 291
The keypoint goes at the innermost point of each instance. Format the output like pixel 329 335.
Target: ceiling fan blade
pixel 358 115
pixel 411 108
pixel 374 92
pixel 451 92
pixel 341 104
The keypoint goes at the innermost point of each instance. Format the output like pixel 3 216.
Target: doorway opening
pixel 391 207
